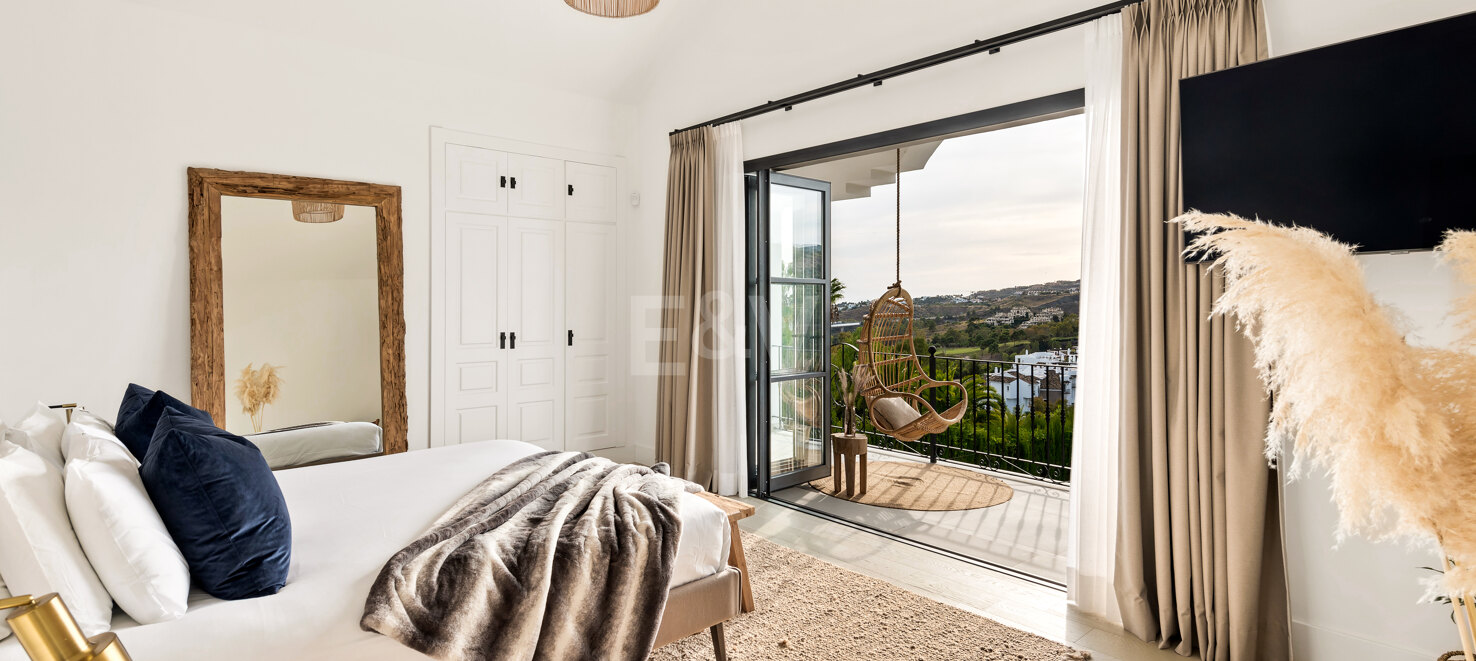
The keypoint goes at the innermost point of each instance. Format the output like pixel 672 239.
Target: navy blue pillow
pixel 221 504
pixel 139 413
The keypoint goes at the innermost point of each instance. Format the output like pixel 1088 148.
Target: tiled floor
pixel 1027 533
pixel 1022 604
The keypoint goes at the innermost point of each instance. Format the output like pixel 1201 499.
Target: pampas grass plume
pixel 1392 424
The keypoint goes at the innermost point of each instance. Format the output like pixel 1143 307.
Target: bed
pixel 318 443
pixel 347 520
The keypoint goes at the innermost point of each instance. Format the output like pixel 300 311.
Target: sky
pixel 990 210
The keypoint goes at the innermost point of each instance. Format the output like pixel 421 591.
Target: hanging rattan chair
pixel 892 379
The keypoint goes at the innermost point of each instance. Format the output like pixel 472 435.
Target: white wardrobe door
pixel 475 376
pixel 594 373
pixel 591 191
pixel 476 180
pixel 535 187
pixel 536 356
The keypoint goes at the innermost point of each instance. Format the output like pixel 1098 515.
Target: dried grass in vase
pixel 257 388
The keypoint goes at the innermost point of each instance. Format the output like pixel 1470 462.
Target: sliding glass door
pixel 789 281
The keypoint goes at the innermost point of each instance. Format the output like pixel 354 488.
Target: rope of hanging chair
pixel 899 218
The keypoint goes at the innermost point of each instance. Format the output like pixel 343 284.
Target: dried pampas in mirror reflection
pixel 256 388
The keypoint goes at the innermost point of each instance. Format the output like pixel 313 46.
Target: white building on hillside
pixel 1045 375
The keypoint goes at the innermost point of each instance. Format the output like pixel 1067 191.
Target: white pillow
pixel 40 553
pixel 896 411
pixel 4 593
pixel 121 532
pixel 41 432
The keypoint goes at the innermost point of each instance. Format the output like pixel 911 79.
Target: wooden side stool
pixel 848 449
pixel 736 510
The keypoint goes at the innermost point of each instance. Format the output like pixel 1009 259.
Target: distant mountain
pixel 1063 294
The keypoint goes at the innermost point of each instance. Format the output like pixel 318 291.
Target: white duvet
pixel 347 519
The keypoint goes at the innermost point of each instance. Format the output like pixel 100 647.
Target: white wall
pixel 103 104
pixel 304 298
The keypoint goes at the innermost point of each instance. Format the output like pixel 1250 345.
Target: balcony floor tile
pixel 1027 533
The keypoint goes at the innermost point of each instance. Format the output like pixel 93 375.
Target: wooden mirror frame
pixel 207 311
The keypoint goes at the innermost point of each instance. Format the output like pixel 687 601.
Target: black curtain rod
pixel 876 77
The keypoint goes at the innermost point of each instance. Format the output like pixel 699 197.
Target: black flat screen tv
pixel 1371 141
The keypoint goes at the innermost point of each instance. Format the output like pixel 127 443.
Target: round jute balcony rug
pixel 809 609
pixel 920 486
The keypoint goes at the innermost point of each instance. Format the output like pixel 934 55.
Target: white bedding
pixel 347 520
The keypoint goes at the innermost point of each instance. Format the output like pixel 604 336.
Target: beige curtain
pixel 1199 562
pixel 687 384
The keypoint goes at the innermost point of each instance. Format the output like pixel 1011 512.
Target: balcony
pixel 1017 432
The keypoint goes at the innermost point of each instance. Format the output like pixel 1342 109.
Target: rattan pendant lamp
pixel 892 378
pixel 613 8
pixel 316 212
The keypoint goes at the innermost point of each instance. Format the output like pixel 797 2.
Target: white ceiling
pixel 545 43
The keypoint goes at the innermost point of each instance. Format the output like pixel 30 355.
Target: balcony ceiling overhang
pixel 853 177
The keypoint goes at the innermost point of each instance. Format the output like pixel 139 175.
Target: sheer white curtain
pixel 1097 432
pixel 725 311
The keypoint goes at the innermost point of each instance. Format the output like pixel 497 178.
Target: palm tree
pixel 837 289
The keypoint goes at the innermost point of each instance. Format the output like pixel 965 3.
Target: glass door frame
pixel 760 377
pixel 761 171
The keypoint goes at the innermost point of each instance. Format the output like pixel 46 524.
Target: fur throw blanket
pixel 560 555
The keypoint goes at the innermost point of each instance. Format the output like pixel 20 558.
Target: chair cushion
pixel 139 414
pixel 895 411
pixel 222 505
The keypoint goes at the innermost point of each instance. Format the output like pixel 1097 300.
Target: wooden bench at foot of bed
pixel 707 603
pixel 736 511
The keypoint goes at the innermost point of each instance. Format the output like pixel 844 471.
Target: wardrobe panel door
pixel 475 376
pixel 535 187
pixel 596 370
pixel 592 192
pixel 476 180
pixel 536 309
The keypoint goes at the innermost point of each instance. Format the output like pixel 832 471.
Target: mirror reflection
pixel 301 308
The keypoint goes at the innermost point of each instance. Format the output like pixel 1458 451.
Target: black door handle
pixel 515 182
pixel 571 338
pixel 514 340
pixel 504 181
pixel 502 342
pixel 571 189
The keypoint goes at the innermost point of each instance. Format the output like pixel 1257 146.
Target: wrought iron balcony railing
pixel 1019 419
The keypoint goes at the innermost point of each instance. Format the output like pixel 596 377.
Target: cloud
pixel 990 210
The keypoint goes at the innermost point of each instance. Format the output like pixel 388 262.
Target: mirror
pixel 301 315
pixel 297 325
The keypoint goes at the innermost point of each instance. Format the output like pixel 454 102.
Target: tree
pixel 837 289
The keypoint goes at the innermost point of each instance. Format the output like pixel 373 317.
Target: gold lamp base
pixel 48 632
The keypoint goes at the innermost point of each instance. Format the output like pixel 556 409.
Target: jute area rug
pixel 811 609
pixel 920 486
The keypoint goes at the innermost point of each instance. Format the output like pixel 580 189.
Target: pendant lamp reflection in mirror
pixel 613 8
pixel 316 212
